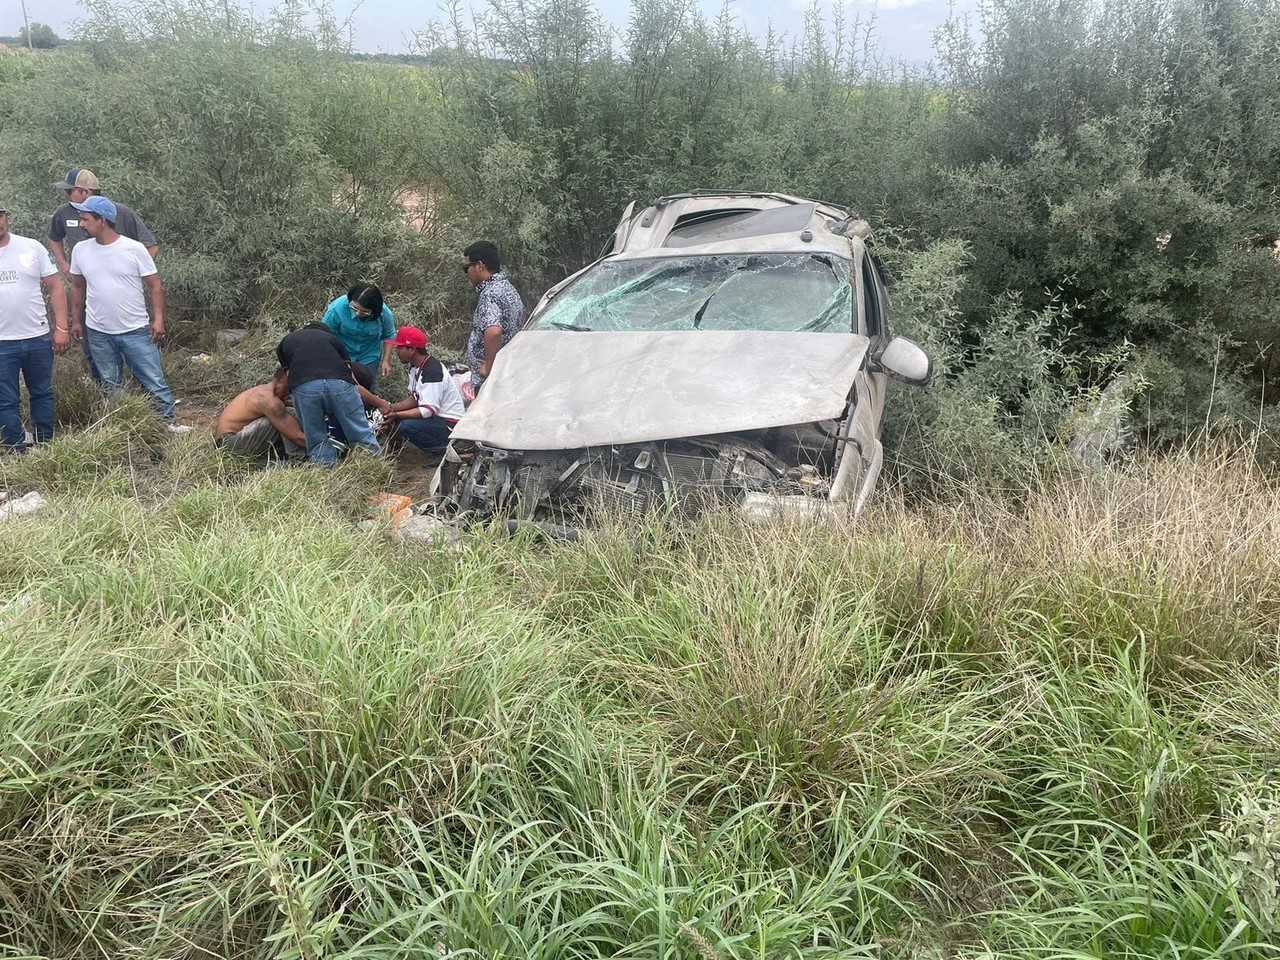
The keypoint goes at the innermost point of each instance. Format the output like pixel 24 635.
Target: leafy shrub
pixel 1002 397
pixel 235 143
pixel 1108 172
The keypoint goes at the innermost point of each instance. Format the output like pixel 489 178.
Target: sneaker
pixel 178 428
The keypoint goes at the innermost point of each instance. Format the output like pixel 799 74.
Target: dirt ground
pixel 412 476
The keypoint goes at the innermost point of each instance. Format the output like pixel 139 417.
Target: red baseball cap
pixel 410 337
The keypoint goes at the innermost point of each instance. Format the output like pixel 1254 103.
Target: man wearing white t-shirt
pixel 109 274
pixel 427 417
pixel 27 345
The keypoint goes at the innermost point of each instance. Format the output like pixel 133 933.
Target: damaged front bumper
pixel 673 477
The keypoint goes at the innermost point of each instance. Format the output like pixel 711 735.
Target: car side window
pixel 875 298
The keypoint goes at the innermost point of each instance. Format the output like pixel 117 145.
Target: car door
pixel 859 466
pixel 875 303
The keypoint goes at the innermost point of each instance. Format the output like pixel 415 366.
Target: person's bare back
pixel 264 400
pixel 244 409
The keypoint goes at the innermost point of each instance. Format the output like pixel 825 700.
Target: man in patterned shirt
pixel 499 309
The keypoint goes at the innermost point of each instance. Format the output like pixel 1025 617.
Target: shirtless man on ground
pixel 258 424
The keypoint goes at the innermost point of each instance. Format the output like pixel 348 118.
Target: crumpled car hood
pixel 562 390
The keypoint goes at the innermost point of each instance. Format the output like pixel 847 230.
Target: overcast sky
pixel 903 28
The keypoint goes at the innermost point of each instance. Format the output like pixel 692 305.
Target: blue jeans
pixel 335 429
pixel 33 358
pixel 88 358
pixel 136 349
pixel 429 433
pixel 338 399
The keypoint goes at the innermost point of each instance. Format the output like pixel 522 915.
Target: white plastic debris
pixel 29 503
pixel 1102 432
pixel 10 610
pixel 763 506
pixel 429 530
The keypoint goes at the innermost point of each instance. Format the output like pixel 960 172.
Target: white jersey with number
pixel 113 272
pixel 23 264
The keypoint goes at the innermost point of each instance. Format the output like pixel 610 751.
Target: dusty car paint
pixel 601 388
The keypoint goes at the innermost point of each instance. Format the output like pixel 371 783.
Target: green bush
pixel 267 167
pixel 1108 172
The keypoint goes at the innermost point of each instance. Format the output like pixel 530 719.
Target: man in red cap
pixel 427 416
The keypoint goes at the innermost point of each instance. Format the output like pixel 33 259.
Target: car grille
pixel 692 478
pixel 616 496
pixel 686 469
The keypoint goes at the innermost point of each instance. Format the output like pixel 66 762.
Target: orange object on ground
pixel 394 507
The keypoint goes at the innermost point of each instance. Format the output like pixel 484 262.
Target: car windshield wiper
pixel 827 263
pixel 702 310
pixel 569 326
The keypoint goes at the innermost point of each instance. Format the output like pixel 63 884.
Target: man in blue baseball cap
pixel 108 279
pixel 65 232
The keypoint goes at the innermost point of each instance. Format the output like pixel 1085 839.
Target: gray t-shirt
pixel 65 225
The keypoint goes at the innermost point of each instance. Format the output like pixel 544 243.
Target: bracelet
pixel 62 329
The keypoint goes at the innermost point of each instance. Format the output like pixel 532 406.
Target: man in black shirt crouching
pixel 321 384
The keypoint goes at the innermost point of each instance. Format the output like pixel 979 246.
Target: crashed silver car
pixel 726 348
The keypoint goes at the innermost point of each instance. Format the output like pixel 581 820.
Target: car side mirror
pixel 903 360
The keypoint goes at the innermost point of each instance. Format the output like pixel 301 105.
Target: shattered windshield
pixel 777 291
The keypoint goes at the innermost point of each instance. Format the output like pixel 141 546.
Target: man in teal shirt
pixel 364 325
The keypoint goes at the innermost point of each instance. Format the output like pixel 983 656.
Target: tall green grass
pixel 234 725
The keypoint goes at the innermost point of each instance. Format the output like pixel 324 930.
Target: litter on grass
pixel 24 505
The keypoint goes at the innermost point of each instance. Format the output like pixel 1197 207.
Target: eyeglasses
pixel 466 267
pixel 360 310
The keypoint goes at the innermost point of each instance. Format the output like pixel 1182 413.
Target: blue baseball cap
pixel 99 205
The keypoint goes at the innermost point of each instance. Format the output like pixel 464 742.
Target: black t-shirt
pixel 363 375
pixel 313 353
pixel 65 225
